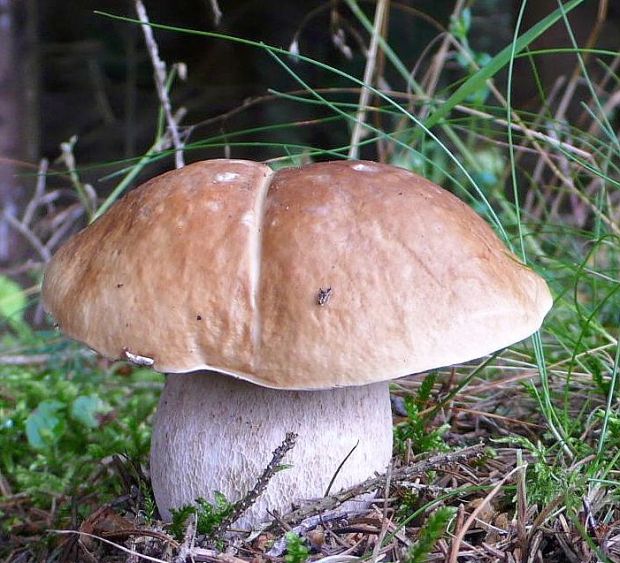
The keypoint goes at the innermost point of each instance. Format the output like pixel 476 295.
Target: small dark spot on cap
pixel 198 318
pixel 120 284
pixel 323 296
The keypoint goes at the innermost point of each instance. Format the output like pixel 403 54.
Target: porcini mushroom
pixel 284 302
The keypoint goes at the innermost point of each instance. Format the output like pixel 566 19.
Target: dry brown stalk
pixel 439 60
pixel 458 538
pixel 185 549
pixel 522 507
pixel 385 521
pixel 371 60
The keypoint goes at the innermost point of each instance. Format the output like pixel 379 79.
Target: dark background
pixel 66 71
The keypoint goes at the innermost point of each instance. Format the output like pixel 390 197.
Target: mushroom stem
pixel 216 433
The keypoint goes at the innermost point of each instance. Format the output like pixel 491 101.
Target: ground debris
pixel 500 514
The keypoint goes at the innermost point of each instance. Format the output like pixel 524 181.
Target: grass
pixel 74 429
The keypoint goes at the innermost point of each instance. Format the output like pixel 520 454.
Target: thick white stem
pixel 217 433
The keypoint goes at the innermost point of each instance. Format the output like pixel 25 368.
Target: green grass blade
pixel 498 62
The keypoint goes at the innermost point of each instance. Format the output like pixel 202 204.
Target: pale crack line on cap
pixel 256 258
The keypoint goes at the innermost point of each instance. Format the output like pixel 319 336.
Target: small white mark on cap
pixel 226 176
pixel 361 167
pixel 138 360
pixel 248 218
pixel 213 205
pixel 320 210
pixel 322 178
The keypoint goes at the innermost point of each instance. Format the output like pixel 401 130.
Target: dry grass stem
pixel 435 462
pixel 369 70
pixel 159 68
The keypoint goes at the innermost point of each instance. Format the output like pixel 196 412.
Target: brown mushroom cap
pixel 333 274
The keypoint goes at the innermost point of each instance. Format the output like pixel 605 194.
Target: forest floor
pixel 485 490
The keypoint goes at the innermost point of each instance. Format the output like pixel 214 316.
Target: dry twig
pixel 458 538
pixel 111 543
pixel 160 83
pixel 261 484
pixel 217 12
pixel 373 483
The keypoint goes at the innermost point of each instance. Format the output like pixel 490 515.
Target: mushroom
pixel 283 302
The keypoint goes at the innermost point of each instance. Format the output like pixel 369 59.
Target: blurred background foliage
pixel 66 71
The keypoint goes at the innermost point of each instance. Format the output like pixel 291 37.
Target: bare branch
pixel 160 83
pixel 22 229
pixel 217 13
pixel 39 192
pixel 458 537
pixel 65 226
pixel 85 193
pixel 374 483
pixel 261 484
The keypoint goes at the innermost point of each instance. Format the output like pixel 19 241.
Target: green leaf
pixel 460 26
pixel 85 408
pixel 12 300
pixel 434 529
pixel 208 515
pixel 43 425
pixel 426 388
pixel 296 550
